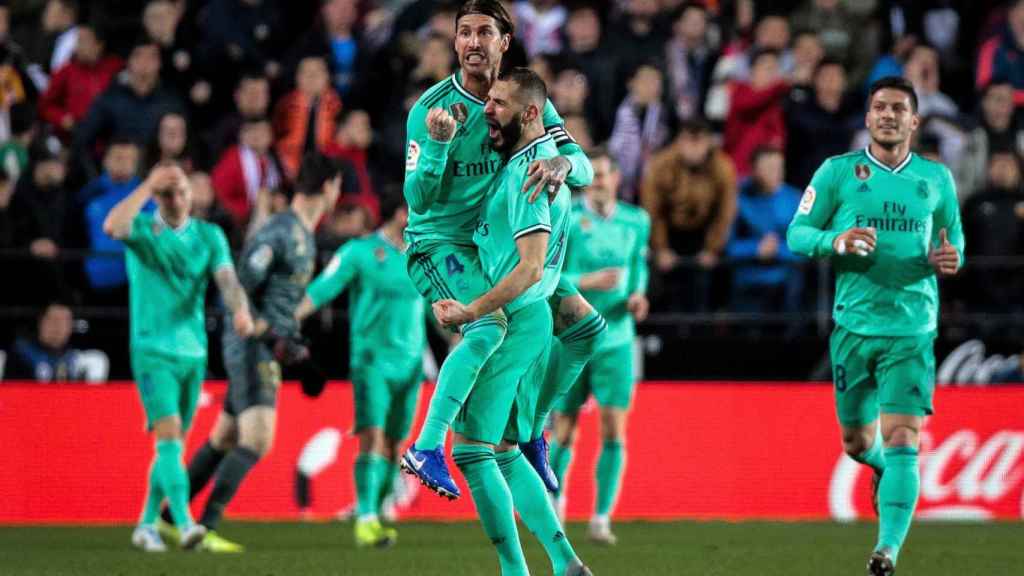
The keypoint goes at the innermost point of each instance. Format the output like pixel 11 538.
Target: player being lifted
pixel 607 260
pixel 170 257
pixel 890 221
pixel 449 168
pixel 274 268
pixel 522 247
pixel 386 356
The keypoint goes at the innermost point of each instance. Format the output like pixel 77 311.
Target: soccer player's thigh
pixel 524 409
pixel 253 375
pixel 190 377
pixel 611 376
pixel 157 383
pixel 906 375
pixel 853 378
pixel 405 394
pixel 577 395
pixel 371 396
pixel 447 271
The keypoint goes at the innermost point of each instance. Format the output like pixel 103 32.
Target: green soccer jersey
pixel 617 241
pixel 508 215
pixel 388 316
pixel 893 291
pixel 168 271
pixel 445 182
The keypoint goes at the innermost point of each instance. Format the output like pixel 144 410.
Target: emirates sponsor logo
pixel 966 476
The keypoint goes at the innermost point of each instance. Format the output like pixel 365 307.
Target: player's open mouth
pixel 474 58
pixel 493 129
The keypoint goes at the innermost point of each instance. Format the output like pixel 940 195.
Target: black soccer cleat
pixel 880 564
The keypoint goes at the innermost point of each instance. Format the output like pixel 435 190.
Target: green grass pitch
pixel 645 549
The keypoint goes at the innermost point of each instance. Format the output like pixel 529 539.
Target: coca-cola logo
pixel 965 477
pixel 967 364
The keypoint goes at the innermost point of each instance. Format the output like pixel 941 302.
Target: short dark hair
pixel 529 83
pixel 894 83
pixel 143 40
pixel 598 152
pixel 124 140
pixel 696 125
pixel 827 61
pixel 759 53
pixel 314 171
pixel 391 201
pixel 493 8
pixel 762 151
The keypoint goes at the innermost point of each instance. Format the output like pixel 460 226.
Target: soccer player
pixel 170 258
pixel 449 167
pixel 607 260
pixel 386 357
pixel 522 247
pixel 889 221
pixel 274 268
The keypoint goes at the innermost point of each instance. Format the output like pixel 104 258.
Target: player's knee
pixel 372 440
pixel 167 428
pixel 259 441
pixel 613 425
pixel 902 436
pixel 565 429
pixel 857 442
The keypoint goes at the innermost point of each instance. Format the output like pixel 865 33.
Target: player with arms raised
pixel 890 221
pixel 170 258
pixel 449 168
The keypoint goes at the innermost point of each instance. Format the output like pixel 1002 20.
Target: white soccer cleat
pixel 600 531
pixel 192 536
pixel 146 538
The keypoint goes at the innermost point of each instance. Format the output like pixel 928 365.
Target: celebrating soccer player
pixel 890 222
pixel 607 259
pixel 449 167
pixel 522 247
pixel 170 258
pixel 386 356
pixel 274 268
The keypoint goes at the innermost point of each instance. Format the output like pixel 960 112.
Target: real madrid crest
pixel 379 254
pixel 862 171
pixel 922 189
pixel 459 112
pixel 585 224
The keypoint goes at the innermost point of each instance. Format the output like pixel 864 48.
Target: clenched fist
pixel 440 124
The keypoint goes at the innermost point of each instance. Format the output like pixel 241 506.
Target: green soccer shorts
pixel 254 377
pixel 608 376
pixel 168 387
pixel 443 271
pixel 385 395
pixel 486 413
pixel 894 375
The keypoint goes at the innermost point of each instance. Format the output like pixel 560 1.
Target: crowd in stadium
pixel 717 113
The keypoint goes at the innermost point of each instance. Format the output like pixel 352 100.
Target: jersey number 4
pixel 453 266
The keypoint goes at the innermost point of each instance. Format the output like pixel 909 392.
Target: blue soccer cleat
pixel 536 452
pixel 429 466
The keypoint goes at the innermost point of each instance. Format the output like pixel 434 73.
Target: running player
pixel 522 247
pixel 386 357
pixel 607 259
pixel 449 168
pixel 889 221
pixel 274 268
pixel 170 257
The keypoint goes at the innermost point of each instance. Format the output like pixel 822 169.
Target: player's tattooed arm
pixel 235 299
pixel 570 311
pixel 546 176
pixel 426 158
pixel 440 125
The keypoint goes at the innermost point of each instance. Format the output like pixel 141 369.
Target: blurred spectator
pixel 807 54
pixel 172 143
pixel 846 31
pixel 689 61
pixel 756 116
pixel 179 64
pixel 335 37
pixel 999 127
pixel 819 124
pixel 241 33
pixel 641 128
pixel 246 169
pixel 304 119
pixel 922 69
pixel 1001 56
pixel 736 63
pixel 206 207
pixel 75 85
pixel 994 218
pixel 572 96
pixel 435 60
pixel 637 34
pixel 579 128
pixel 539 23
pixel 891 63
pixel 46 356
pixel 689 190
pixel 131 107
pixel 14 152
pixel 49 42
pixel 105 271
pixel 17 87
pixel 351 219
pixel 584 48
pixel 352 145
pixel 766 206
pixel 252 100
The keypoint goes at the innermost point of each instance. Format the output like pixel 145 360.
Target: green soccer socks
pixel 609 475
pixel 874 456
pixel 897 497
pixel 170 470
pixel 457 376
pixel 493 504
pixel 570 352
pixel 370 469
pixel 154 496
pixel 387 485
pixel 531 501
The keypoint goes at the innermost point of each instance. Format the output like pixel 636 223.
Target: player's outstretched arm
pixel 532 250
pixel 118 223
pixel 947 253
pixel 807 233
pixel 426 155
pixel 330 282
